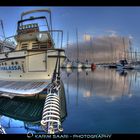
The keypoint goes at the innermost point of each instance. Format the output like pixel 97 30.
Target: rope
pixel 2 131
pixel 51 116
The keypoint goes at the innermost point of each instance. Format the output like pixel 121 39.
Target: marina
pixel 58 76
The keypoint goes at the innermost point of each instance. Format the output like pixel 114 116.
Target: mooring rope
pixel 2 131
pixel 51 116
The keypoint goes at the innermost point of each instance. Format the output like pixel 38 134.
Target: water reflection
pixel 103 82
pixel 99 101
pixel 102 101
pixel 23 114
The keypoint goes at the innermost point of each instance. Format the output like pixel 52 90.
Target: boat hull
pixel 29 65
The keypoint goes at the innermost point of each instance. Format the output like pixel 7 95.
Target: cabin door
pixel 37 62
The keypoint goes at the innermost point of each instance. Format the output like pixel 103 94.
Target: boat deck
pixel 22 87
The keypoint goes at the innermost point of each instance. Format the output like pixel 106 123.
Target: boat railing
pixel 41 40
pixel 37 11
pixel 8 44
pixel 57 36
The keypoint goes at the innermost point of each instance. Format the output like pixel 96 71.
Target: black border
pixel 70 3
pixel 68 136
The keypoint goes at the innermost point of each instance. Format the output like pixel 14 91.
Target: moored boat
pixel 123 64
pixel 27 66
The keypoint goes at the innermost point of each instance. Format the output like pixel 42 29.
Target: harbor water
pixel 100 101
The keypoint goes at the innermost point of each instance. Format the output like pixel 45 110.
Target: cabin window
pixel 24 46
pixel 43 45
pixel 42 37
pixel 35 45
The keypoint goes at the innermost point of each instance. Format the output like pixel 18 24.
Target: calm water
pixel 100 101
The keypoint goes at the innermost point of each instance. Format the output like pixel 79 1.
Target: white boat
pixel 123 64
pixel 77 65
pixel 86 65
pixel 136 67
pixel 67 64
pixel 27 66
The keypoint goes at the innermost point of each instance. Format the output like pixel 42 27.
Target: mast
pixel 77 45
pixel 130 46
pixel 91 48
pixel 2 28
pixel 111 52
pixel 67 42
pixel 86 46
pixel 124 47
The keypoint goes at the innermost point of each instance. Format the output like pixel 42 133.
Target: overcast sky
pixel 96 21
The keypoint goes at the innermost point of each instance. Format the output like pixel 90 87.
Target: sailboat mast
pixel 124 47
pixel 85 46
pixel 2 28
pixel 67 44
pixel 67 40
pixel 130 46
pixel 111 52
pixel 91 56
pixel 77 45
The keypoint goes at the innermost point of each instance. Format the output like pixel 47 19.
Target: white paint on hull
pixel 36 65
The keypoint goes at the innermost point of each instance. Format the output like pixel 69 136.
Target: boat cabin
pixel 33 33
pixel 30 37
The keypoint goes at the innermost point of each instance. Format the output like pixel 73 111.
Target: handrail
pixel 33 11
pixel 38 10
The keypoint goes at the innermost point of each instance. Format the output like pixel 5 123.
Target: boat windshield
pixel 56 39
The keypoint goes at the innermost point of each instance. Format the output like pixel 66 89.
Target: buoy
pixel 93 66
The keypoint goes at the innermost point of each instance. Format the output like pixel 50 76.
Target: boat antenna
pixel 2 28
